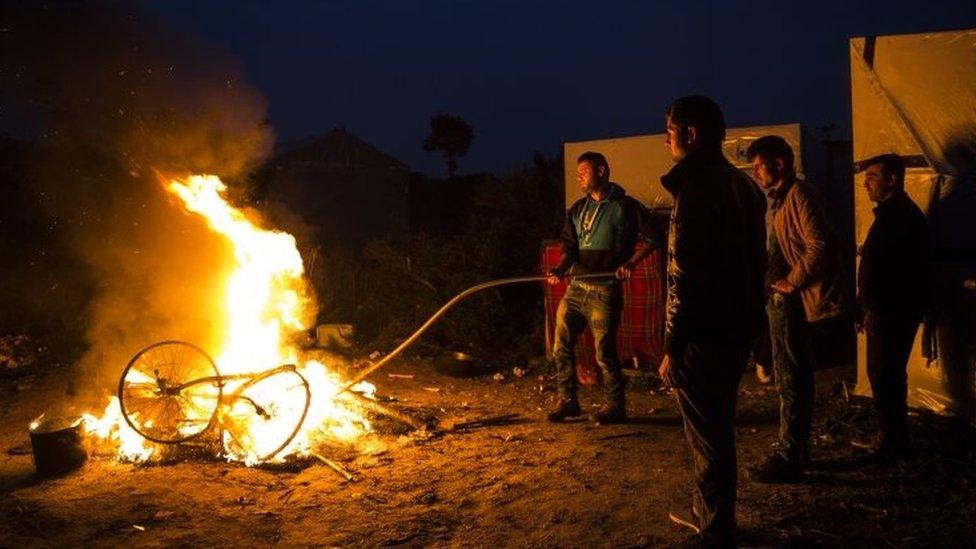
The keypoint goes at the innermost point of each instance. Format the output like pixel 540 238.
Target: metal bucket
pixel 57 445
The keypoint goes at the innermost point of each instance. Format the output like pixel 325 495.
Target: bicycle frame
pixel 224 401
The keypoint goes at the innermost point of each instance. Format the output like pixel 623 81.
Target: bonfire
pixel 264 402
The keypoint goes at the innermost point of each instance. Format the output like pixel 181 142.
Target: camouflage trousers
pixel 597 306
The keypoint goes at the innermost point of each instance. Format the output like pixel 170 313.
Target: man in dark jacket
pixel 807 291
pixel 716 267
pixel 606 231
pixel 891 288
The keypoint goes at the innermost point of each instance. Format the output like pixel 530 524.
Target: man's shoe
pixel 607 415
pixel 695 541
pixel 564 409
pixel 692 521
pixel 891 453
pixel 777 469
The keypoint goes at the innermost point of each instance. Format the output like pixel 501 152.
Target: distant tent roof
pixel 339 149
pixel 915 95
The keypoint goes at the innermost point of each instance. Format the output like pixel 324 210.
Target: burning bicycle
pixel 171 392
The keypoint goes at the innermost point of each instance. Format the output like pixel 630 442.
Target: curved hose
pixel 454 301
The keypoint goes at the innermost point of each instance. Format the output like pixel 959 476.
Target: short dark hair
pixel 771 147
pixel 892 164
pixel 596 160
pixel 703 114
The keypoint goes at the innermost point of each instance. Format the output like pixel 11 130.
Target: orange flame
pixel 266 301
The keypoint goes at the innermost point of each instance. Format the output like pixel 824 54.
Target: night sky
pixel 531 75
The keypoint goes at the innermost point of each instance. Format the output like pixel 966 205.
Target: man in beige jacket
pixel 806 292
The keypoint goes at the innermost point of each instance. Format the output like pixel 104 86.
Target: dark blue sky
pixel 530 75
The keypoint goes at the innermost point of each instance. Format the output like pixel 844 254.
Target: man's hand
pixel 666 371
pixel 624 271
pixel 870 323
pixel 783 287
pixel 553 277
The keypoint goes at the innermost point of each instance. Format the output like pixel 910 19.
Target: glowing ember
pixel 266 301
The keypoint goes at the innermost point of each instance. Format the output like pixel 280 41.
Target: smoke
pixel 122 100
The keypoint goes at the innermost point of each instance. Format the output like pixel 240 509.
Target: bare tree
pixel 452 136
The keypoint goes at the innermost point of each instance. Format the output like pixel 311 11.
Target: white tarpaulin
pixel 915 95
pixel 637 163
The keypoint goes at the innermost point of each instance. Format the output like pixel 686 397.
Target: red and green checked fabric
pixel 641 329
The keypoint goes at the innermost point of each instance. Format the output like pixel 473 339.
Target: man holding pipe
pixel 605 231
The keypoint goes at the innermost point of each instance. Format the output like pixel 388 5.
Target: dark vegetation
pixel 452 137
pixel 43 286
pixel 462 232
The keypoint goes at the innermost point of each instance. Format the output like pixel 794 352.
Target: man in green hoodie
pixel 606 231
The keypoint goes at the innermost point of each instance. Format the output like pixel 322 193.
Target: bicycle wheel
pixel 169 392
pixel 264 414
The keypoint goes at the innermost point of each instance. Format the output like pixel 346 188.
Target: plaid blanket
pixel 641 332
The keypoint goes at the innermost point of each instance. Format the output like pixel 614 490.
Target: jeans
pixel 598 306
pixel 791 336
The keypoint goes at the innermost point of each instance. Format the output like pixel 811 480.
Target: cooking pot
pixel 57 444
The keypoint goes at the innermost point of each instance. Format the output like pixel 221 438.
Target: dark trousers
pixel 888 350
pixel 708 375
pixel 792 338
pixel 598 306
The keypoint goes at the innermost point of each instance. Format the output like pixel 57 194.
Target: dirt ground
pixel 526 483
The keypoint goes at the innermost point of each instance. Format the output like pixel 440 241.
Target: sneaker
pixel 891 453
pixel 692 521
pixel 607 415
pixel 695 541
pixel 777 469
pixel 763 374
pixel 564 409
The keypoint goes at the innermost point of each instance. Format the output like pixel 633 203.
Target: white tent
pixel 915 95
pixel 637 163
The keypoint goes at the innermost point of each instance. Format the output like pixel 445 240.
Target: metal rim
pixel 122 386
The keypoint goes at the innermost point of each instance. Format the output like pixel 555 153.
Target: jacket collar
pixel 778 193
pixel 688 166
pixel 891 203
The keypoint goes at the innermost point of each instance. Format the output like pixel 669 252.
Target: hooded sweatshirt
pixel 599 236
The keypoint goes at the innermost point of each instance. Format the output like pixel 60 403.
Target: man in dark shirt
pixel 716 266
pixel 891 287
pixel 606 231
